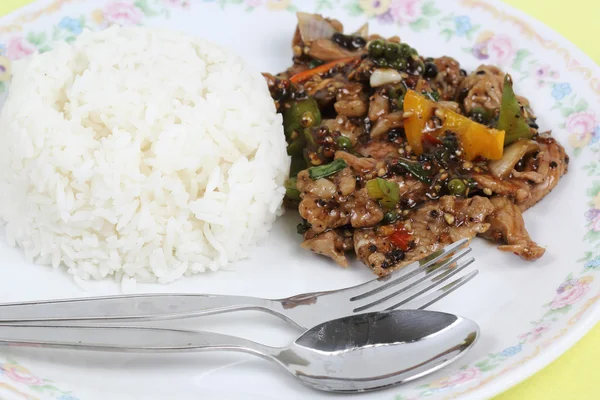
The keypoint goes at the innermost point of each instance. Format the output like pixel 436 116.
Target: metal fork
pixel 407 288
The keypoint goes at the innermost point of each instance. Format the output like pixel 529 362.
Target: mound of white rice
pixel 141 154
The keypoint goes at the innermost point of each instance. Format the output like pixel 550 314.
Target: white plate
pixel 529 312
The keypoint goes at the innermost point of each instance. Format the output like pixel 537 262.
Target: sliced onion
pixel 313 27
pixel 512 154
pixel 383 76
pixel 363 31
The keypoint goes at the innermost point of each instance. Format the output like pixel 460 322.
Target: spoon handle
pixel 125 339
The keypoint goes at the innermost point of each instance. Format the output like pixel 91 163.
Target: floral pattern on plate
pixel 572 297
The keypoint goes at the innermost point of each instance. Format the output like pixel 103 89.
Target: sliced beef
pixel 549 164
pixel 428 228
pixel 333 244
pixel 335 201
pixel 364 167
pixel 448 78
pixel 482 89
pixel 378 149
pixel 507 226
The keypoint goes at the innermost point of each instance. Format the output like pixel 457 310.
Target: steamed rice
pixel 141 154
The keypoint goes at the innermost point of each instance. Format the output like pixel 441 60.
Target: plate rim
pixel 590 313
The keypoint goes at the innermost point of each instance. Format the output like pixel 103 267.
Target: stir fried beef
pixel 333 244
pixel 431 227
pixel 549 165
pixel 447 75
pixel 395 155
pixel 482 89
pixel 507 226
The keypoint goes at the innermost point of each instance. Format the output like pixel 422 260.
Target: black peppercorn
pixel 430 71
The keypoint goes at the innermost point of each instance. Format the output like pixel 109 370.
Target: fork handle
pixel 131 308
pixel 125 339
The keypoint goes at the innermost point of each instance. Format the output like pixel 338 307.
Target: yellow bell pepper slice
pixel 475 139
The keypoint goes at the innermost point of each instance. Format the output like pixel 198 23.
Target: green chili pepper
pixel 511 120
pixel 291 191
pixel 457 187
pixel 416 169
pixel 323 171
pixel 301 114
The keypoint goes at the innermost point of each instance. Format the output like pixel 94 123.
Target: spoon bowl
pixel 375 350
pixel 351 354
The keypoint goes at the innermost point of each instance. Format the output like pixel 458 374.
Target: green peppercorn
pixel 376 48
pixel 418 67
pixel 481 115
pixel 390 217
pixel 457 187
pixel 381 62
pixel 392 51
pixel 344 142
pixel 405 50
pixel 396 64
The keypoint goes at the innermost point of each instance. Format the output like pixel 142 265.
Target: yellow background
pixel 576 374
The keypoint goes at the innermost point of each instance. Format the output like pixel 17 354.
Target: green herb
pixel 416 169
pixel 314 64
pixel 301 114
pixel 291 191
pixel 511 120
pixel 457 187
pixel 386 192
pixel 323 171
pixel 302 227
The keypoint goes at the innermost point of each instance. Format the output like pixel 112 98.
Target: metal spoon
pixel 351 354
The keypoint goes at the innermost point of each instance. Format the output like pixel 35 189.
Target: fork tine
pixel 409 271
pixel 429 273
pixel 427 300
pixel 414 289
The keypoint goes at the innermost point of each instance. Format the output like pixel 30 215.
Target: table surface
pixel 574 375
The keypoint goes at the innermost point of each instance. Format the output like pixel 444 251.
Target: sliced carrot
pixel 321 69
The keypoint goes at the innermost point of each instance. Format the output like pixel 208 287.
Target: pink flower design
pixel 178 3
pixel 21 375
pixel 18 48
pixel 122 13
pixel 460 377
pixel 405 11
pixel 536 333
pixel 569 293
pixel 500 49
pixel 582 122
